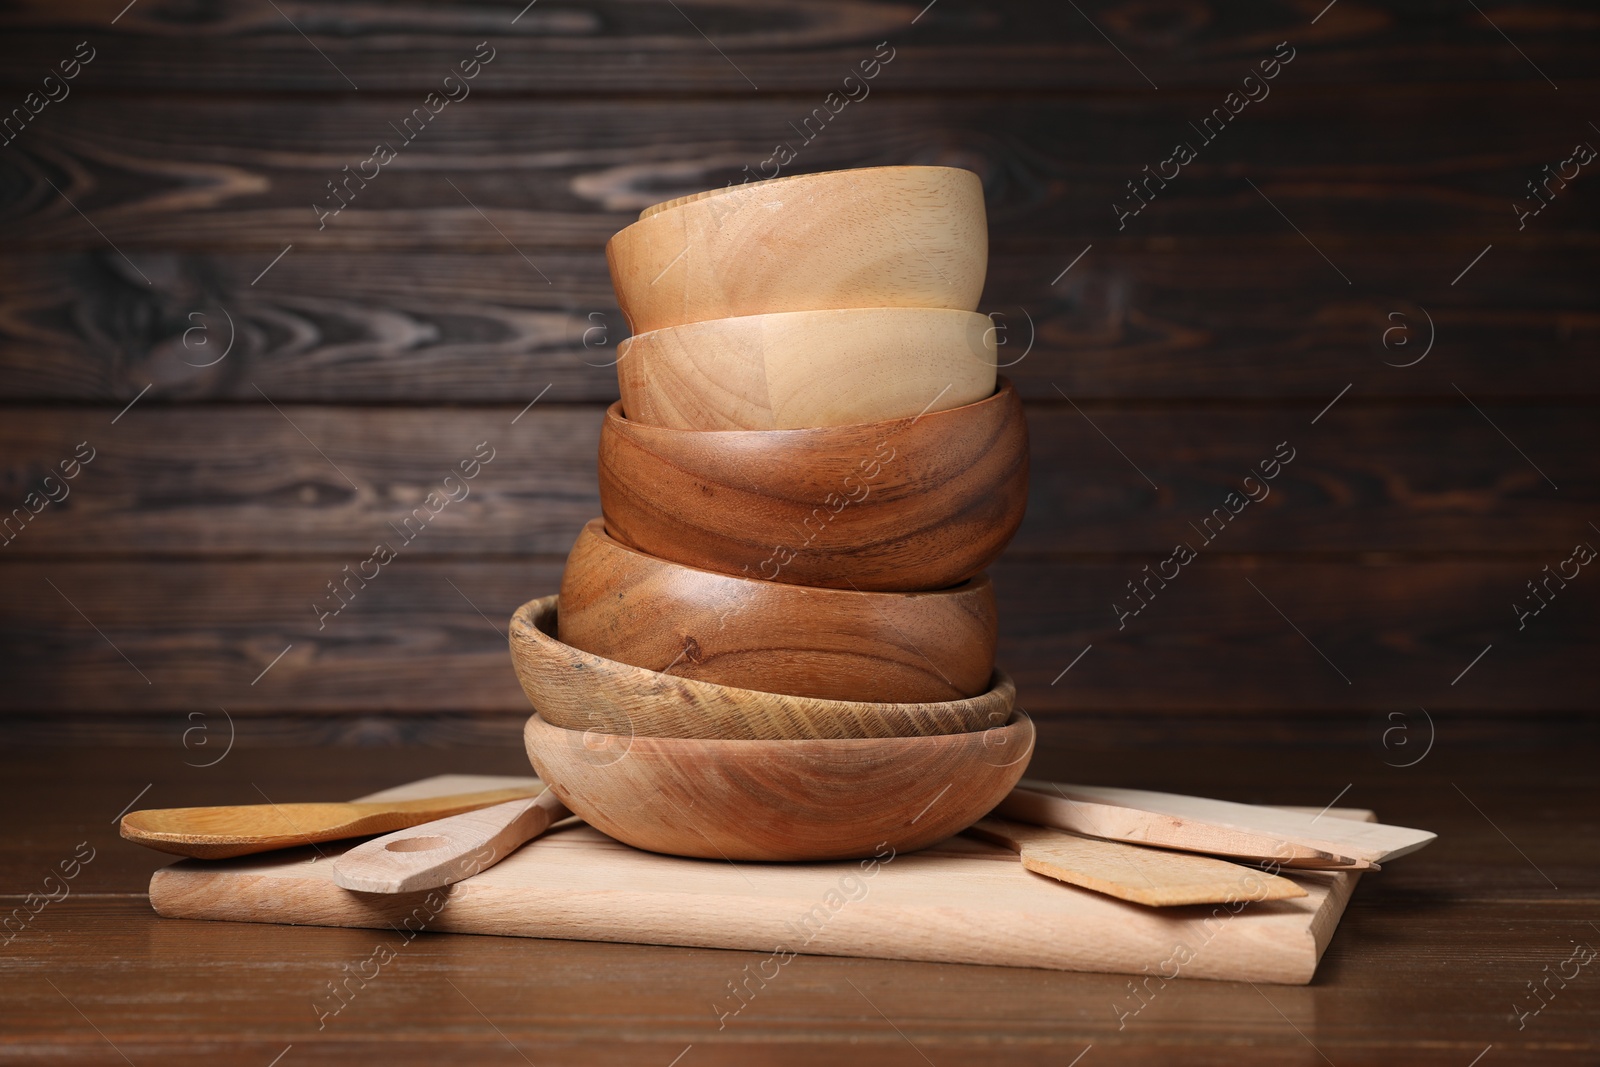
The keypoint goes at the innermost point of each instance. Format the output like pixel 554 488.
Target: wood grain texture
pixel 1038 804
pixel 1469 861
pixel 901 505
pixel 227 175
pixel 814 799
pixel 429 637
pixel 245 829
pixel 808 368
pixel 1368 477
pixel 1371 841
pixel 1136 318
pixel 837 644
pixel 1148 876
pixel 1283 945
pixel 445 851
pixel 857 238
pixel 576 690
pixel 636 47
pixel 187 992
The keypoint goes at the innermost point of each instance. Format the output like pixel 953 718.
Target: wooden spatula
pixel 217 833
pixel 1128 872
pixel 1043 804
pixel 1363 842
pixel 447 850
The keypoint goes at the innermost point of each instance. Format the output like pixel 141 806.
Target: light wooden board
pixel 959 902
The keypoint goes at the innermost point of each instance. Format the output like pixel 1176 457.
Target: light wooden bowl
pixel 580 691
pixel 795 369
pixel 917 503
pixel 876 237
pixel 837 644
pixel 780 800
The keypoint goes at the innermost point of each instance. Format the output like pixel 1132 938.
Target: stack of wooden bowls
pixel 778 642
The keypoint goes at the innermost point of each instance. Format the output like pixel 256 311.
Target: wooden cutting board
pixel 959 902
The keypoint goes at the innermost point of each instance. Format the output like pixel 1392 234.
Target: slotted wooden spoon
pixel 444 852
pixel 241 830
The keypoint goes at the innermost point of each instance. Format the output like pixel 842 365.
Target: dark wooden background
pixel 140 217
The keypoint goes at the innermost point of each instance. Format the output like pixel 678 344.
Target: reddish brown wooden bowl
pixel 838 644
pixel 579 690
pixel 908 504
pixel 780 800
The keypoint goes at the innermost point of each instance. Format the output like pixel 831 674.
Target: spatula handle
pixel 447 850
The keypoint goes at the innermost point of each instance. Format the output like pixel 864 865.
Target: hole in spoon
pixel 415 844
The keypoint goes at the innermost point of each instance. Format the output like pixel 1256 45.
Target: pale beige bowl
pixel 795 369
pixel 584 692
pixel 877 237
pixel 780 800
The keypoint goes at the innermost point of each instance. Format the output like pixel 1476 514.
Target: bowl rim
pixel 749 188
pixel 1003 392
pixel 968 585
pixel 524 626
pixel 1019 724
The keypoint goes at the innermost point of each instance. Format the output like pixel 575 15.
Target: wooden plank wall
pixel 265 390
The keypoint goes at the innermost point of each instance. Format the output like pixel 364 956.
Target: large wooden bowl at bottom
pixel 780 800
pixel 581 691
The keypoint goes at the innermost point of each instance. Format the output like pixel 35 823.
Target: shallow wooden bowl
pixel 796 369
pixel 780 800
pixel 837 644
pixel 876 237
pixel 580 691
pixel 915 503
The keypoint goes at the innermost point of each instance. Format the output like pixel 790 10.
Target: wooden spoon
pixel 447 850
pixel 1129 872
pixel 218 833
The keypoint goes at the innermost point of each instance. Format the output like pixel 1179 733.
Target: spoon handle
pixel 447 850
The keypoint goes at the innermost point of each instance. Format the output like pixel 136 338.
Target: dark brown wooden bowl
pixel 908 504
pixel 780 800
pixel 838 644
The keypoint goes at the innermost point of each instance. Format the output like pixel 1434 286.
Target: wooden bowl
pixel 877 237
pixel 916 503
pixel 578 690
pixel 795 369
pixel 780 800
pixel 837 644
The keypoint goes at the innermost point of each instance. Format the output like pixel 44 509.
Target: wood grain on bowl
pixel 839 644
pixel 915 503
pixel 780 800
pixel 874 237
pixel 795 369
pixel 582 691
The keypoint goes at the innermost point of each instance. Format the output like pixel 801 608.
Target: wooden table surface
pixel 1433 961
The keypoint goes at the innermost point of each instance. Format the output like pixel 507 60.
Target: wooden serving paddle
pixel 447 850
pixel 1128 872
pixel 1041 804
pixel 218 833
pixel 1365 844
